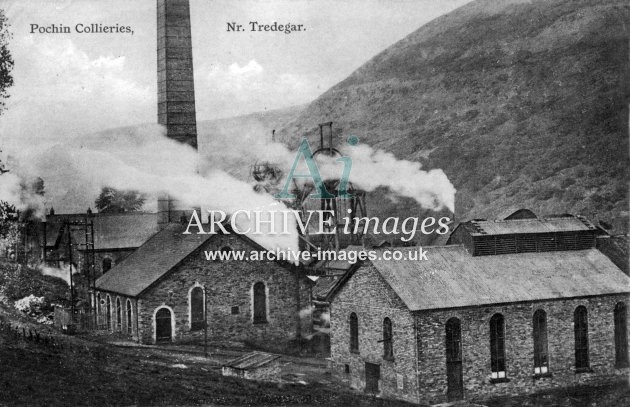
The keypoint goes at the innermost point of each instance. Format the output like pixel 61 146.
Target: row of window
pixel 259 306
pixel 388 348
pixel 196 304
pixel 497 340
pixel 119 313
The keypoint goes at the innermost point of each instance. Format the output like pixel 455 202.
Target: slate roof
pixel 121 231
pixel 516 213
pixel 323 286
pixel 617 249
pixel 517 226
pixel 452 278
pixel 111 230
pixel 252 360
pixel 156 257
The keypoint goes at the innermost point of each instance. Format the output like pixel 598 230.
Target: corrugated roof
pixel 156 257
pixel 453 278
pixel 252 360
pixel 515 226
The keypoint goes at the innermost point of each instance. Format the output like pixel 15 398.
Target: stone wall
pixel 475 325
pixel 116 256
pixel 367 295
pixel 229 287
pixel 420 362
pixel 125 322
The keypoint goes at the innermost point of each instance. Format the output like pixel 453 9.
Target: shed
pixel 254 366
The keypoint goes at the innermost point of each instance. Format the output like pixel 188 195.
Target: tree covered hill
pixel 522 104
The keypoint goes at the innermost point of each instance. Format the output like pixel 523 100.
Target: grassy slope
pixel 522 105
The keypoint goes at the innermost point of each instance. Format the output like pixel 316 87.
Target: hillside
pixel 522 104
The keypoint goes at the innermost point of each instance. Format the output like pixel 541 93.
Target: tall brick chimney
pixel 176 90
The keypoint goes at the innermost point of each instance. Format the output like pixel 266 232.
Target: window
pixel 107 264
pixel 98 304
pixel 388 349
pixel 621 335
pixel 497 346
pixel 260 303
pixel 541 360
pixel 235 310
pixel 118 315
pixel 354 333
pixel 196 309
pixel 109 313
pixel 580 327
pixel 129 319
pixel 454 371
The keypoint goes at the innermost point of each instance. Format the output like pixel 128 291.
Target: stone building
pixel 467 323
pixel 167 290
pixel 116 235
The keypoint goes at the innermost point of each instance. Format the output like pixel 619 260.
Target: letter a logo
pixel 305 151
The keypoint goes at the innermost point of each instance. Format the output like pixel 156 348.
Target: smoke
pixel 144 159
pixel 370 168
pixel 17 189
pixel 217 177
pixel 62 273
pixel 377 168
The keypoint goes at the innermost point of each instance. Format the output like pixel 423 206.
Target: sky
pixel 71 84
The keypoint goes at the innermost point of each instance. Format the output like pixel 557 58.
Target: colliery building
pixel 166 291
pixel 514 306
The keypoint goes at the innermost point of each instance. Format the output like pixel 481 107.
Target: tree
pixel 112 200
pixel 6 60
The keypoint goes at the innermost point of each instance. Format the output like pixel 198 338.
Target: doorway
pixel 372 376
pixel 163 329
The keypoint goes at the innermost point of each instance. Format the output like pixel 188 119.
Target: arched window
pixel 196 309
pixel 580 329
pixel 129 319
pixel 354 333
pixel 107 264
pixel 621 335
pixel 118 315
pixel 541 359
pixel 454 372
pixel 497 346
pixel 388 349
pixel 109 313
pixel 260 303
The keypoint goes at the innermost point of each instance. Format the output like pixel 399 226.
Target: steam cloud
pixel 147 161
pixel 370 168
pixel 216 177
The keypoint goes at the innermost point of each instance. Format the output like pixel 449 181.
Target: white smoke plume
pixel 16 189
pixel 147 161
pixel 62 273
pixel 75 169
pixel 370 168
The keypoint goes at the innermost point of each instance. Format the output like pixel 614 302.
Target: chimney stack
pixel 176 90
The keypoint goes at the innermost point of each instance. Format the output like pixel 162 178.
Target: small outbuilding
pixel 254 366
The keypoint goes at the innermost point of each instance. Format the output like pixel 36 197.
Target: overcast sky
pixel 69 84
